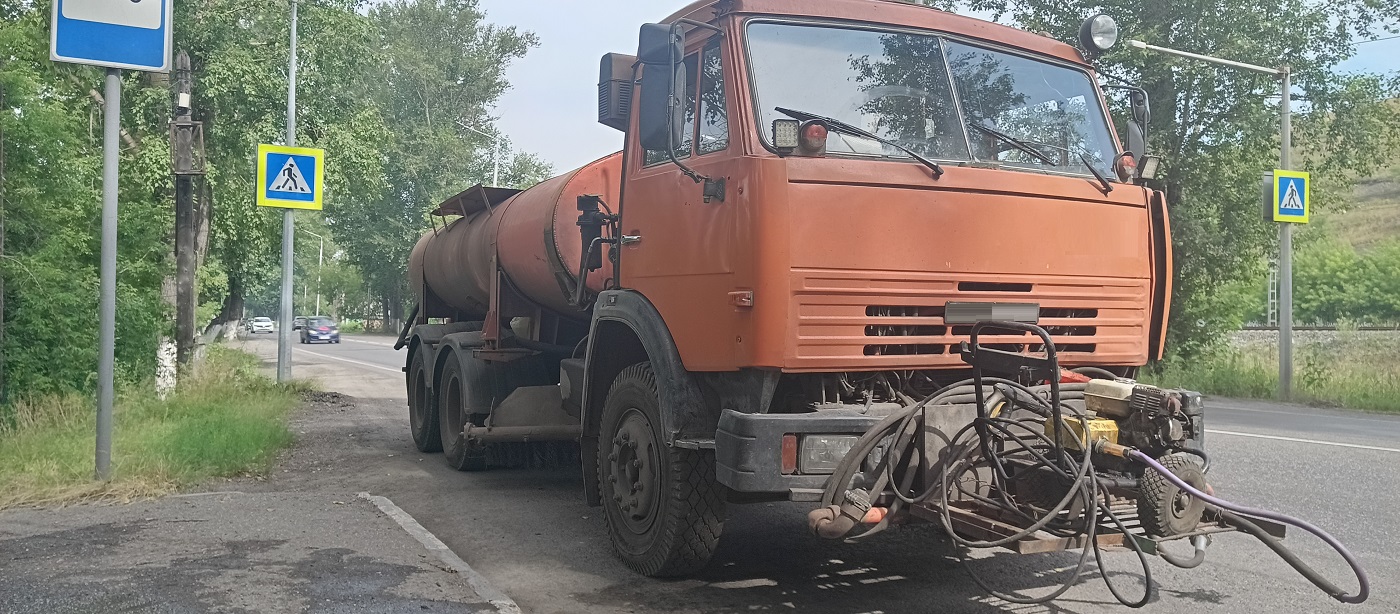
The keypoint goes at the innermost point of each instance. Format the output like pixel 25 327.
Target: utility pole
pixel 1285 230
pixel 186 163
pixel 284 324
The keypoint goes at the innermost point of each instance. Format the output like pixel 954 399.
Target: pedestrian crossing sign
pixel 290 177
pixel 1291 198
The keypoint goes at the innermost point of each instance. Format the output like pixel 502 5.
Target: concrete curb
pixel 482 586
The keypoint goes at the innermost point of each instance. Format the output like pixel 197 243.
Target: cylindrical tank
pixel 533 237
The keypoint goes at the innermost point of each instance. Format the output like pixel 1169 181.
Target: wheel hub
pixel 632 463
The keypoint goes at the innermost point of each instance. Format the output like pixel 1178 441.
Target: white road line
pixel 1297 440
pixel 353 362
pixel 387 345
pixel 1300 414
pixel 483 587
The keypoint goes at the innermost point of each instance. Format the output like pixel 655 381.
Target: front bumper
pixel 748 449
pixel 323 336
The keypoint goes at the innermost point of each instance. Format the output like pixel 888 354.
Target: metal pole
pixel 284 332
pixel 1285 249
pixel 107 289
pixel 496 166
pixel 320 260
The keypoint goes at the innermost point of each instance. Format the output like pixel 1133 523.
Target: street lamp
pixel 1285 231
pixel 320 260
pixel 495 153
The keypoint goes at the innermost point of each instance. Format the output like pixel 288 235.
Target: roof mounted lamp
pixel 1098 34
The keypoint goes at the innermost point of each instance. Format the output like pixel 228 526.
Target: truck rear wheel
pixel 663 507
pixel 422 411
pixel 453 395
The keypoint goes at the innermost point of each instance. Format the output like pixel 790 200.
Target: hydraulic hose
pixel 1234 513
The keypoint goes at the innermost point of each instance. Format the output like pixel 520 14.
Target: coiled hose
pixel 1023 440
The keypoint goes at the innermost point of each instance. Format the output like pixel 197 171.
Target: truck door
pixel 685 260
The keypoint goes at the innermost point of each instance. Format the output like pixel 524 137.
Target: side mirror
pixel 660 119
pixel 658 43
pixel 1137 139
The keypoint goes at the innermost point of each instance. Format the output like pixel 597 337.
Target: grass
pixel 1352 369
pixel 224 420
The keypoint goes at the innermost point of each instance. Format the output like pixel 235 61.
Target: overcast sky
pixel 551 108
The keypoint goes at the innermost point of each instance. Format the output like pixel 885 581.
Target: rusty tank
pixel 531 237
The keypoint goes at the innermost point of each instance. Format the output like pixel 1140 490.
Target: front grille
pixel 912 320
pixel 894 320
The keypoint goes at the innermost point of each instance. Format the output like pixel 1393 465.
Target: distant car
pixel 298 322
pixel 320 328
pixel 260 325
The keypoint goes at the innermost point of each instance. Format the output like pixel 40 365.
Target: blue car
pixel 320 328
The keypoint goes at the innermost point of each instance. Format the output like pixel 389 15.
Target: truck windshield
pixel 901 86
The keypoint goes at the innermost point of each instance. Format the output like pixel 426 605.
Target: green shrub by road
pixel 225 420
pixel 1351 369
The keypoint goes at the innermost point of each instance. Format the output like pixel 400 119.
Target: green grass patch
pixel 224 420
pixel 1352 369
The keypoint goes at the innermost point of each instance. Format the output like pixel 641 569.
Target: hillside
pixel 1375 214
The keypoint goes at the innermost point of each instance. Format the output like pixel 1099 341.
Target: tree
pixel 443 66
pixel 1216 128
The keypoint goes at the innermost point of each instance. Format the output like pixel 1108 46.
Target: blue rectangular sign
pixel 132 34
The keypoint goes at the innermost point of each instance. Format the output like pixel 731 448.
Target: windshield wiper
pixel 1026 146
pixel 840 126
pixel 1012 141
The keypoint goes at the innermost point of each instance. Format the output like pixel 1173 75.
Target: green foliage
pixel 1356 370
pixel 1332 282
pixel 51 205
pixel 383 87
pixel 224 421
pixel 1216 128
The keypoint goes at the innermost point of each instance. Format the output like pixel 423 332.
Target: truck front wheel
pixel 663 507
pixel 422 412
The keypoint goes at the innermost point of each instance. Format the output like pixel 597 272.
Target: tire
pixel 453 397
pixel 669 520
pixel 422 410
pixel 1162 507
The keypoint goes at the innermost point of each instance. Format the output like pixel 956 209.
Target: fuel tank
pixel 532 237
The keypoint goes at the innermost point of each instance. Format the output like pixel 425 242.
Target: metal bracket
pixel 714 189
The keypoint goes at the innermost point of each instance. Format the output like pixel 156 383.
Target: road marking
pixel 353 362
pixel 1300 414
pixel 387 345
pixel 1297 440
pixel 483 587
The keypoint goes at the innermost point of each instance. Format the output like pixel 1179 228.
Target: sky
pixel 551 108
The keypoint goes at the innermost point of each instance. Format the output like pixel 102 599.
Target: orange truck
pixel 840 235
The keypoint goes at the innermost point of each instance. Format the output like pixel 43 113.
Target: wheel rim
pixel 1181 504
pixel 632 471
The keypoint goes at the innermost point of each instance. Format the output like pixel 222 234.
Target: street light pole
pixel 284 325
pixel 495 153
pixel 1285 231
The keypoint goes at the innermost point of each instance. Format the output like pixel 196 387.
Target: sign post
pixel 132 35
pixel 289 178
pixel 1285 231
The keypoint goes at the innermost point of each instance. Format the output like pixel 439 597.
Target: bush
pixel 224 420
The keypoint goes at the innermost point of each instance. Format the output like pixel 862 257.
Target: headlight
pixel 1098 34
pixel 821 453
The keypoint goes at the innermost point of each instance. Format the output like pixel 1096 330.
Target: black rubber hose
pixel 1194 451
pixel 1232 512
pixel 1102 373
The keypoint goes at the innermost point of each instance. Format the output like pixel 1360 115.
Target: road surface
pixel 530 533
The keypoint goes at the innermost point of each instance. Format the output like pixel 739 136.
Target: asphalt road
pixel 531 535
